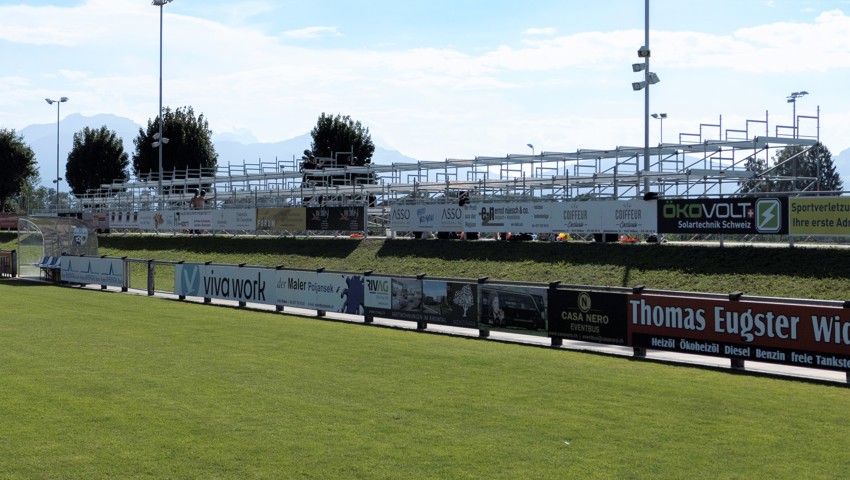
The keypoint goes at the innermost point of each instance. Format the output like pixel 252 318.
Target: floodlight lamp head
pixel 653 78
pixel 159 3
pixel 63 99
pixel 638 67
pixel 654 115
pixel 636 86
pixel 643 52
pixel 804 93
pixel 49 101
pixel 530 145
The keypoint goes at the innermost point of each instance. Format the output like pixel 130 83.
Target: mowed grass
pixel 111 385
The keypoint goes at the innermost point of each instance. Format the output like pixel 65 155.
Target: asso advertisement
pixel 819 216
pixel 598 317
pixel 800 335
pixel 749 215
pixel 610 216
pixel 417 300
pixel 336 218
pixel 97 271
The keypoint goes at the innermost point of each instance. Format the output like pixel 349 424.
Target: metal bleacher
pixel 710 161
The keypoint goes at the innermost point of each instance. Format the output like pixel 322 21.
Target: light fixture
pixel 638 67
pixel 793 99
pixel 660 116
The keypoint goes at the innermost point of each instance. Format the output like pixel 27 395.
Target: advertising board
pixel 588 316
pixel 800 335
pixel 747 215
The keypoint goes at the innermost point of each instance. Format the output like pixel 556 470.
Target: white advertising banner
pixel 295 288
pixel 339 292
pixel 98 271
pixel 582 217
pixel 246 284
pixel 416 218
pixel 186 219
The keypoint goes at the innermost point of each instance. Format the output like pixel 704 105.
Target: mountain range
pixel 234 149
pixel 231 148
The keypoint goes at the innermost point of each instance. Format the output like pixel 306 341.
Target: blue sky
pixel 434 79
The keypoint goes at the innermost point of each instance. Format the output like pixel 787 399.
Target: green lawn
pixel 110 385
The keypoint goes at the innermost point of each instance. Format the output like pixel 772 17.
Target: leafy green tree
pixel 338 142
pixel 756 183
pixel 188 153
pixel 31 197
pixel 97 157
pixel 814 165
pixel 795 169
pixel 17 166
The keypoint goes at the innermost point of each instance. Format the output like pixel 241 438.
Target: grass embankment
pixel 817 273
pixel 108 385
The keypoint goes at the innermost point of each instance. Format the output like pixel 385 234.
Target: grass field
pixel 110 385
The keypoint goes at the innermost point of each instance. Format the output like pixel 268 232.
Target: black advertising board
pixel 336 218
pixel 510 308
pixel 599 317
pixel 747 215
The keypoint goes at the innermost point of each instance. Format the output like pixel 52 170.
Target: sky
pixel 435 79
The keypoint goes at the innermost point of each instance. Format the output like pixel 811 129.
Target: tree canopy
pixel 97 157
pixel 795 169
pixel 338 141
pixel 17 164
pixel 189 146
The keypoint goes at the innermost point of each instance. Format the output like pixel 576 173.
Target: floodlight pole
pixel 646 101
pixel 160 4
pixel 58 178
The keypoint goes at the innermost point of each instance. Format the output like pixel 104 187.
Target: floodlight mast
pixel 160 4
pixel 50 101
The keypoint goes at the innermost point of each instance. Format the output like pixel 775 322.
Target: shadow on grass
pixel 23 282
pixel 705 260
pixel 311 247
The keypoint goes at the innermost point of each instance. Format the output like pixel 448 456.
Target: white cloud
pixel 312 33
pixel 541 31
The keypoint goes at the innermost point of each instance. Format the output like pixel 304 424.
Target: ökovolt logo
pixel 768 215
pixel 190 280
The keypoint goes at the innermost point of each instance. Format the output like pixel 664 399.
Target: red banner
pixel 9 221
pixel 802 335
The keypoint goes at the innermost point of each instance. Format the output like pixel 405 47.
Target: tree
pixel 17 164
pixel 794 169
pixel 756 183
pixel 97 157
pixel 814 163
pixel 188 153
pixel 338 142
pixel 32 197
